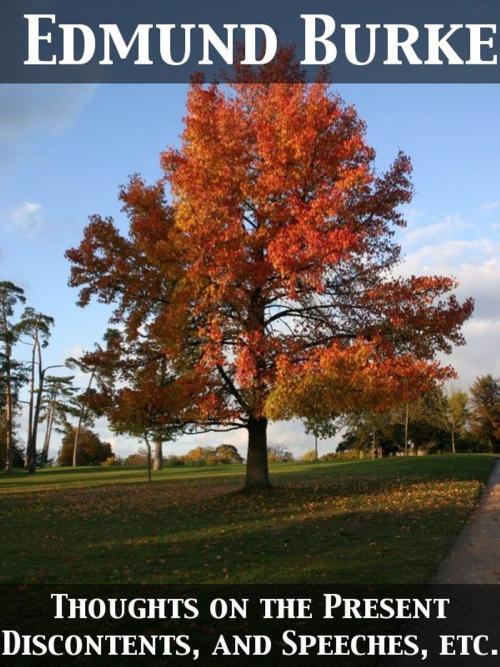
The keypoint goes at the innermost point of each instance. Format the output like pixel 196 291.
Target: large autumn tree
pixel 261 269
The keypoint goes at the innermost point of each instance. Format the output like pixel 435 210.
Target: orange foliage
pixel 264 286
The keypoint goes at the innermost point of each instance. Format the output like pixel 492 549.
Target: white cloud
pixel 479 356
pixel 26 218
pixel 449 225
pixel 450 254
pixel 488 207
pixel 475 263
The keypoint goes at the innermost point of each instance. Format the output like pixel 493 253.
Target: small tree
pixel 370 432
pixel 321 429
pixel 133 389
pixel 450 412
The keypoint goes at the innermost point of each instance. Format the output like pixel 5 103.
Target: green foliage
pixel 437 422
pixel 322 428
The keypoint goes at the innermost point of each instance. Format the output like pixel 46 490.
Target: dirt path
pixel 475 556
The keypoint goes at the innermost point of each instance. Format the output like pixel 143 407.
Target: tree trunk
pixel 9 445
pixel 407 419
pixel 158 457
pixel 28 463
pixel 9 399
pixel 453 449
pixel 257 467
pixel 48 432
pixel 36 413
pixel 80 422
pixel 74 462
pixel 315 447
pixel 148 449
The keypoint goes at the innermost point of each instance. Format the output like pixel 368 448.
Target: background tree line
pixel 441 420
pixel 32 394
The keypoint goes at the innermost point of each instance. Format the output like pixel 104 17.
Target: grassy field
pixel 368 521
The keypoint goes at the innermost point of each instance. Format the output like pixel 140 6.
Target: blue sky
pixel 64 151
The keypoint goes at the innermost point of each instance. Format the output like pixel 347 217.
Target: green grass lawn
pixel 358 522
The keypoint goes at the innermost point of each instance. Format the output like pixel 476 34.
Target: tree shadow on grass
pixel 323 527
pixel 342 532
pixel 353 547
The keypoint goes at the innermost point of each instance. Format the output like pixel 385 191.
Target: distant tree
pixel 199 455
pixel 133 389
pixel 449 410
pixel 18 378
pixel 82 399
pixel 320 429
pixel 227 454
pixel 280 454
pixel 92 451
pixel 431 422
pixel 112 462
pixel 36 327
pixel 57 406
pixel 370 432
pixel 309 456
pixel 485 411
pixel 10 296
pixel 329 456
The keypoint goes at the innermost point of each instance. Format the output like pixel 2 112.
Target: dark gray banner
pixel 295 625
pixel 362 41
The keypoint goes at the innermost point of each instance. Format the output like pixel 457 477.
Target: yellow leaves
pixel 343 378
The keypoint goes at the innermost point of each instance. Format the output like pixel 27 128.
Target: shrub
pixel 279 454
pixel 198 456
pixel 112 461
pixel 137 460
pixel 174 460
